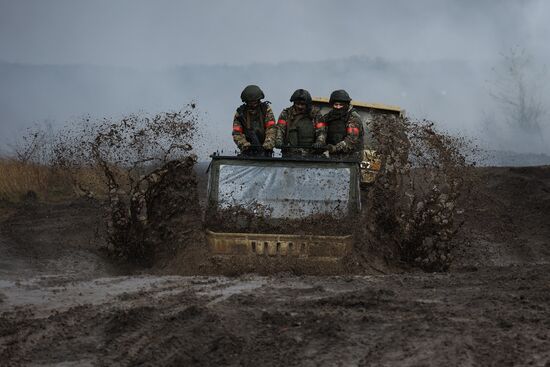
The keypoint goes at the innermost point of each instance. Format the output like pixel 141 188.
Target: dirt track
pixel 62 301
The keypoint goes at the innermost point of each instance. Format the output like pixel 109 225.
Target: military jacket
pixel 254 126
pixel 343 129
pixel 297 129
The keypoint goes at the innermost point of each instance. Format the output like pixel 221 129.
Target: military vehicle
pixel 290 205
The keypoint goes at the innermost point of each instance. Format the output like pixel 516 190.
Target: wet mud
pixel 414 207
pixel 63 300
pixel 144 165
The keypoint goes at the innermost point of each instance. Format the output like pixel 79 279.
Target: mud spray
pixel 413 212
pixel 153 216
pixel 147 180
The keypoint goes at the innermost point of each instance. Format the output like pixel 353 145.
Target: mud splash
pixel 411 212
pixel 150 188
pixel 413 207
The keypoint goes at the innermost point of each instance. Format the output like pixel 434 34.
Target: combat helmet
pixel 301 94
pixel 252 93
pixel 339 95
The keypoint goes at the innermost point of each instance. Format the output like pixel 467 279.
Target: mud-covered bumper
pixel 280 245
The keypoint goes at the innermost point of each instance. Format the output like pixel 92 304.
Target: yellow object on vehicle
pixel 370 166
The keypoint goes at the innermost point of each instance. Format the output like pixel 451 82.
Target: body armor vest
pixel 253 123
pixel 301 130
pixel 337 128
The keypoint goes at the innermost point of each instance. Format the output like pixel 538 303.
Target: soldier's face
pixel 251 105
pixel 338 105
pixel 300 106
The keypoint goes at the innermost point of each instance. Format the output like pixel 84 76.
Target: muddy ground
pixel 63 301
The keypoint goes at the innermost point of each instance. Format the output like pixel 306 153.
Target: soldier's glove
pixel 341 146
pixel 268 145
pixel 318 145
pixel 331 148
pixel 245 146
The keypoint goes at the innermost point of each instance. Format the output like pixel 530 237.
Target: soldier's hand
pixel 268 145
pixel 341 146
pixel 245 146
pixel 318 145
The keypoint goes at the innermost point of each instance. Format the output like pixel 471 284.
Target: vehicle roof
pixel 367 105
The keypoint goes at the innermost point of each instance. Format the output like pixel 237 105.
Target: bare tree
pixel 517 91
pixel 35 145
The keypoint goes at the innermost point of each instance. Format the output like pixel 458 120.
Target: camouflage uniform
pixel 259 122
pixel 254 129
pixel 296 129
pixel 341 130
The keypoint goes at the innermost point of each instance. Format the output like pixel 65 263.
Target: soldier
pixel 340 129
pixel 296 125
pixel 254 129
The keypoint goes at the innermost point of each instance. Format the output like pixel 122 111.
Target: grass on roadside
pixel 24 180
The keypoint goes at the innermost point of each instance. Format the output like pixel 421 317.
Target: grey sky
pixel 160 33
pixel 435 57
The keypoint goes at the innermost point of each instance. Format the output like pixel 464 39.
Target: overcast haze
pixel 141 46
pixel 159 33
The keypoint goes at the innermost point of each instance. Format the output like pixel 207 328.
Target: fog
pixel 61 60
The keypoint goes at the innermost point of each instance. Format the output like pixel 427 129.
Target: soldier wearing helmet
pixel 254 129
pixel 340 129
pixel 296 125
